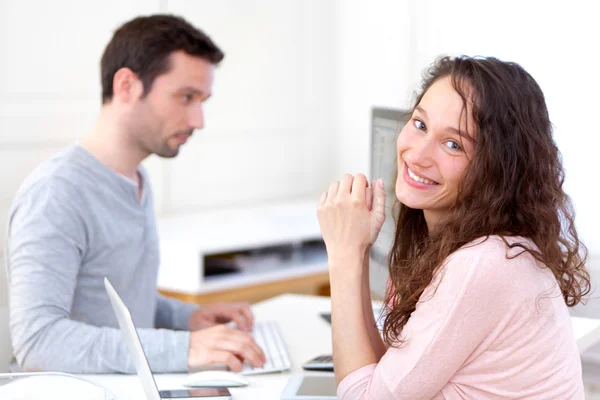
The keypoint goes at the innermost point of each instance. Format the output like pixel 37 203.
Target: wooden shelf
pixel 290 228
pixel 185 241
pixel 315 284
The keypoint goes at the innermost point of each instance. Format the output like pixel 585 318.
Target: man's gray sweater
pixel 73 222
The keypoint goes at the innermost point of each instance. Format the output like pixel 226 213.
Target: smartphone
pixel 321 363
pixel 200 393
pixel 326 316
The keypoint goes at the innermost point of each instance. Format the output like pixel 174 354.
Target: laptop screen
pixel 133 342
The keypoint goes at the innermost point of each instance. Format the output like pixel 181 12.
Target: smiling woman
pixel 486 258
pixel 432 154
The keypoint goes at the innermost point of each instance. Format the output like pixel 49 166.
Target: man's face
pixel 165 119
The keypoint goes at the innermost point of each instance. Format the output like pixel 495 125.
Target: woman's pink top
pixel 495 328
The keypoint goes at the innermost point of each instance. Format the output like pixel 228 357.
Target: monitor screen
pixel 386 124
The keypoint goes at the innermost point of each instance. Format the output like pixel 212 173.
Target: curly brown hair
pixel 512 186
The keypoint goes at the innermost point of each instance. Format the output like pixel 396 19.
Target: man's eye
pixel 187 98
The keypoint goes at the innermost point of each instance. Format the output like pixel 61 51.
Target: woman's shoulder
pixel 507 246
pixel 487 268
pixel 495 255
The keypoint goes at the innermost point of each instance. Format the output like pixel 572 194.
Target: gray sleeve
pixel 172 313
pixel 46 242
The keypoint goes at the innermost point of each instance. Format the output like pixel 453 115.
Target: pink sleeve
pixel 446 328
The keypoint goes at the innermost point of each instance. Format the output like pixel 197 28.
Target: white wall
pixel 292 100
pixel 374 52
pixel 269 125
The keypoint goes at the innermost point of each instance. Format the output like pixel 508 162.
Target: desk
pixel 306 335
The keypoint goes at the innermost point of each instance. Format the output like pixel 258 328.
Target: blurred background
pixel 292 101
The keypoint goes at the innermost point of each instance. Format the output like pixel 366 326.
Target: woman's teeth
pixel 419 179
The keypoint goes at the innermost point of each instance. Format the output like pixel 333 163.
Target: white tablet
pixel 310 386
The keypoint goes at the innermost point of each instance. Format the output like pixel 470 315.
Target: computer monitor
pixel 386 124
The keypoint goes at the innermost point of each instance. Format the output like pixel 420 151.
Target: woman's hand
pixel 351 215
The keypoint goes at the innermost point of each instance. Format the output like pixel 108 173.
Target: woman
pixel 485 259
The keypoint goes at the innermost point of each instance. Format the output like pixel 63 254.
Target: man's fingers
pixel 227 358
pixel 237 316
pixel 241 314
pixel 369 198
pixel 224 345
pixel 245 340
pixel 198 320
pixel 242 350
pixel 246 311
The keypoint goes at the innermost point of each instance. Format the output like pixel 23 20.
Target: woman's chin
pixel 410 201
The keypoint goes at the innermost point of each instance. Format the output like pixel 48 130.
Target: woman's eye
pixel 451 144
pixel 419 125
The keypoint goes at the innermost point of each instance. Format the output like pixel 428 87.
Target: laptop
pixel 141 362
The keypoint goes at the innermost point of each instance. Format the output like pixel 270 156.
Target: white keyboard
pixel 268 336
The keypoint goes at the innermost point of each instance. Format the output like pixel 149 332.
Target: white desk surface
pixel 306 335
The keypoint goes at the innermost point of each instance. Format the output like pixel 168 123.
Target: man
pixel 88 213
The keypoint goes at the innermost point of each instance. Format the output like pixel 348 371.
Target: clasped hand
pixel 351 215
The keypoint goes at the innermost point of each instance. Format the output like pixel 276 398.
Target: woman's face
pixel 433 153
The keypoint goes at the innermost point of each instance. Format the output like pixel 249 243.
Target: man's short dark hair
pixel 144 45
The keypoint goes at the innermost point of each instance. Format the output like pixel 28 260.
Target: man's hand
pixel 221 344
pixel 214 314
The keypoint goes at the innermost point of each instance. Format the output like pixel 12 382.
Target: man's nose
pixel 196 117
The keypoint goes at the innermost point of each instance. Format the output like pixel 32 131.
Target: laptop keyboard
pixel 268 336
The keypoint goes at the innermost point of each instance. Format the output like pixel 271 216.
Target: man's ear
pixel 127 87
